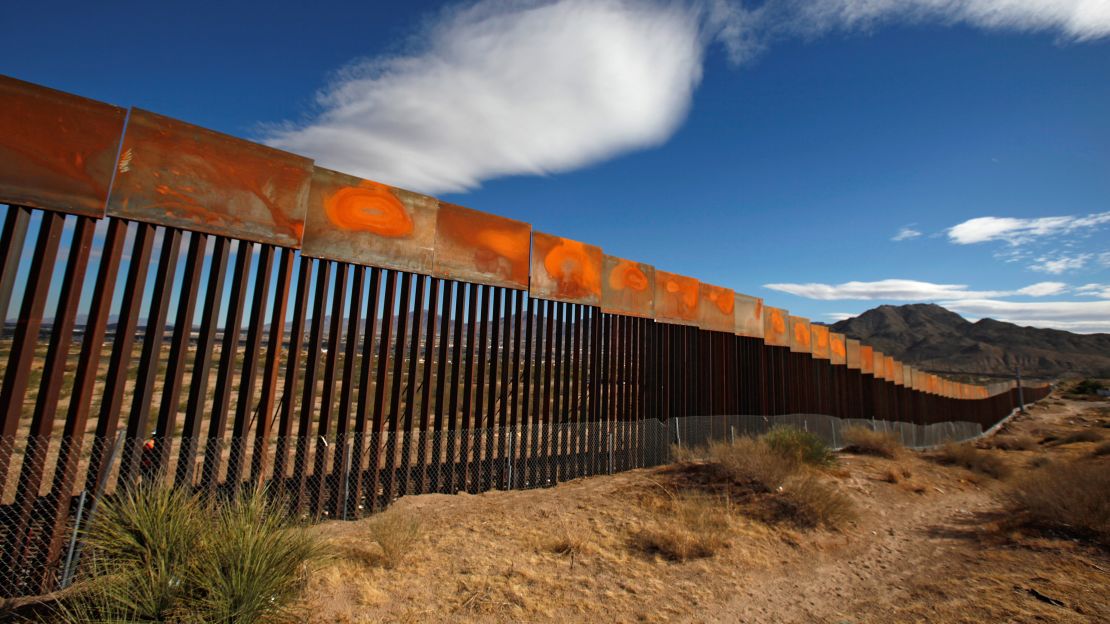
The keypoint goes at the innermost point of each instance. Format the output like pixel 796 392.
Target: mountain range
pixel 934 338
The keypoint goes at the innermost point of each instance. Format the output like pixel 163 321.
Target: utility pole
pixel 1021 396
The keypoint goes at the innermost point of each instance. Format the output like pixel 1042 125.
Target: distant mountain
pixel 931 337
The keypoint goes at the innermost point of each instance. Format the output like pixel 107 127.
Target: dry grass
pixel 864 441
pixel 1016 442
pixel 1083 435
pixel 753 462
pixel 1102 449
pixel 395 532
pixel 810 502
pixel 686 526
pixel 1072 497
pixel 967 456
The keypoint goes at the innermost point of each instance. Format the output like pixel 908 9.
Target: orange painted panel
pixel 479 247
pixel 354 220
pixel 717 309
pixel 877 368
pixel 775 330
pixel 820 335
pixel 838 349
pixel 888 368
pixel 899 374
pixel 749 316
pixel 57 151
pixel 866 359
pixel 627 287
pixel 677 298
pixel 565 270
pixel 852 354
pixel 800 336
pixel 180 175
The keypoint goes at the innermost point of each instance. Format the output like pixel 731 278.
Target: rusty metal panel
pixel 57 150
pixel 478 247
pixel 180 175
pixel 899 374
pixel 565 270
pixel 749 316
pixel 627 287
pixel 775 322
pixel 888 368
pixel 866 359
pixel 838 348
pixel 877 364
pixel 852 353
pixel 800 336
pixel 717 309
pixel 677 298
pixel 820 342
pixel 368 223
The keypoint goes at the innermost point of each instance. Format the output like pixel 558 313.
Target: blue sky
pixel 778 148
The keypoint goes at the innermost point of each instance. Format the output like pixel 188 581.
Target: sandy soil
pixel 931 545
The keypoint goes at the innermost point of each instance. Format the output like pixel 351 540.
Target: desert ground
pixel 927 541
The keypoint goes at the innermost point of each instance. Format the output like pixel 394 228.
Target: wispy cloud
pixel 905 233
pixel 1019 231
pixel 1102 291
pixel 909 290
pixel 1061 264
pixel 1076 316
pixel 497 88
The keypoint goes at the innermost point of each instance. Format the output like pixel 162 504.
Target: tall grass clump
pixel 159 554
pixel 967 456
pixel 1071 497
pixel 748 460
pixel 865 441
pixel 687 526
pixel 804 446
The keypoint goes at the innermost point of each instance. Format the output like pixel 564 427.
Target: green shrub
pixel 800 445
pixel 159 554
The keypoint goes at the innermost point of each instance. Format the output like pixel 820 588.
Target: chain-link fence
pixel 348 476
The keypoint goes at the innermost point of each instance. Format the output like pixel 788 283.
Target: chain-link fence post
pixel 67 570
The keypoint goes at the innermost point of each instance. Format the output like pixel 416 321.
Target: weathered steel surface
pixel 852 356
pixel 565 270
pixel 677 298
pixel 888 368
pixel 878 369
pixel 749 316
pixel 775 330
pixel 364 222
pixel 627 287
pixel 479 247
pixel 801 338
pixel 717 310
pixel 899 374
pixel 838 348
pixel 57 150
pixel 866 359
pixel 177 174
pixel 820 342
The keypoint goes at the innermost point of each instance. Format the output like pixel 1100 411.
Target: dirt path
pixel 930 546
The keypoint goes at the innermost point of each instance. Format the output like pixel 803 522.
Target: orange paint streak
pixel 628 275
pixel 724 300
pixel 778 323
pixel 575 273
pixel 801 334
pixel 836 345
pixel 369 207
pixel 469 242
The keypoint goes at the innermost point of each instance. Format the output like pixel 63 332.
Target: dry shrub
pixel 687 526
pixel 810 502
pixel 865 441
pixel 967 456
pixel 799 445
pixel 1102 449
pixel 489 594
pixel 1072 497
pixel 1018 442
pixel 395 532
pixel 1083 435
pixel 748 460
pixel 896 474
pixel 564 542
pixel 683 453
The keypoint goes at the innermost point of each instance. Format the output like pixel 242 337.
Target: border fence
pixel 197 309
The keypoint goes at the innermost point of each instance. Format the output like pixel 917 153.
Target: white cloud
pixel 905 233
pixel 1020 231
pixel 908 290
pixel 496 88
pixel 1061 264
pixel 1101 291
pixel 1076 316
pixel 502 88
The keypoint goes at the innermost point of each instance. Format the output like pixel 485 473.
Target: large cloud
pixel 498 88
pixel 1019 231
pixel 908 290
